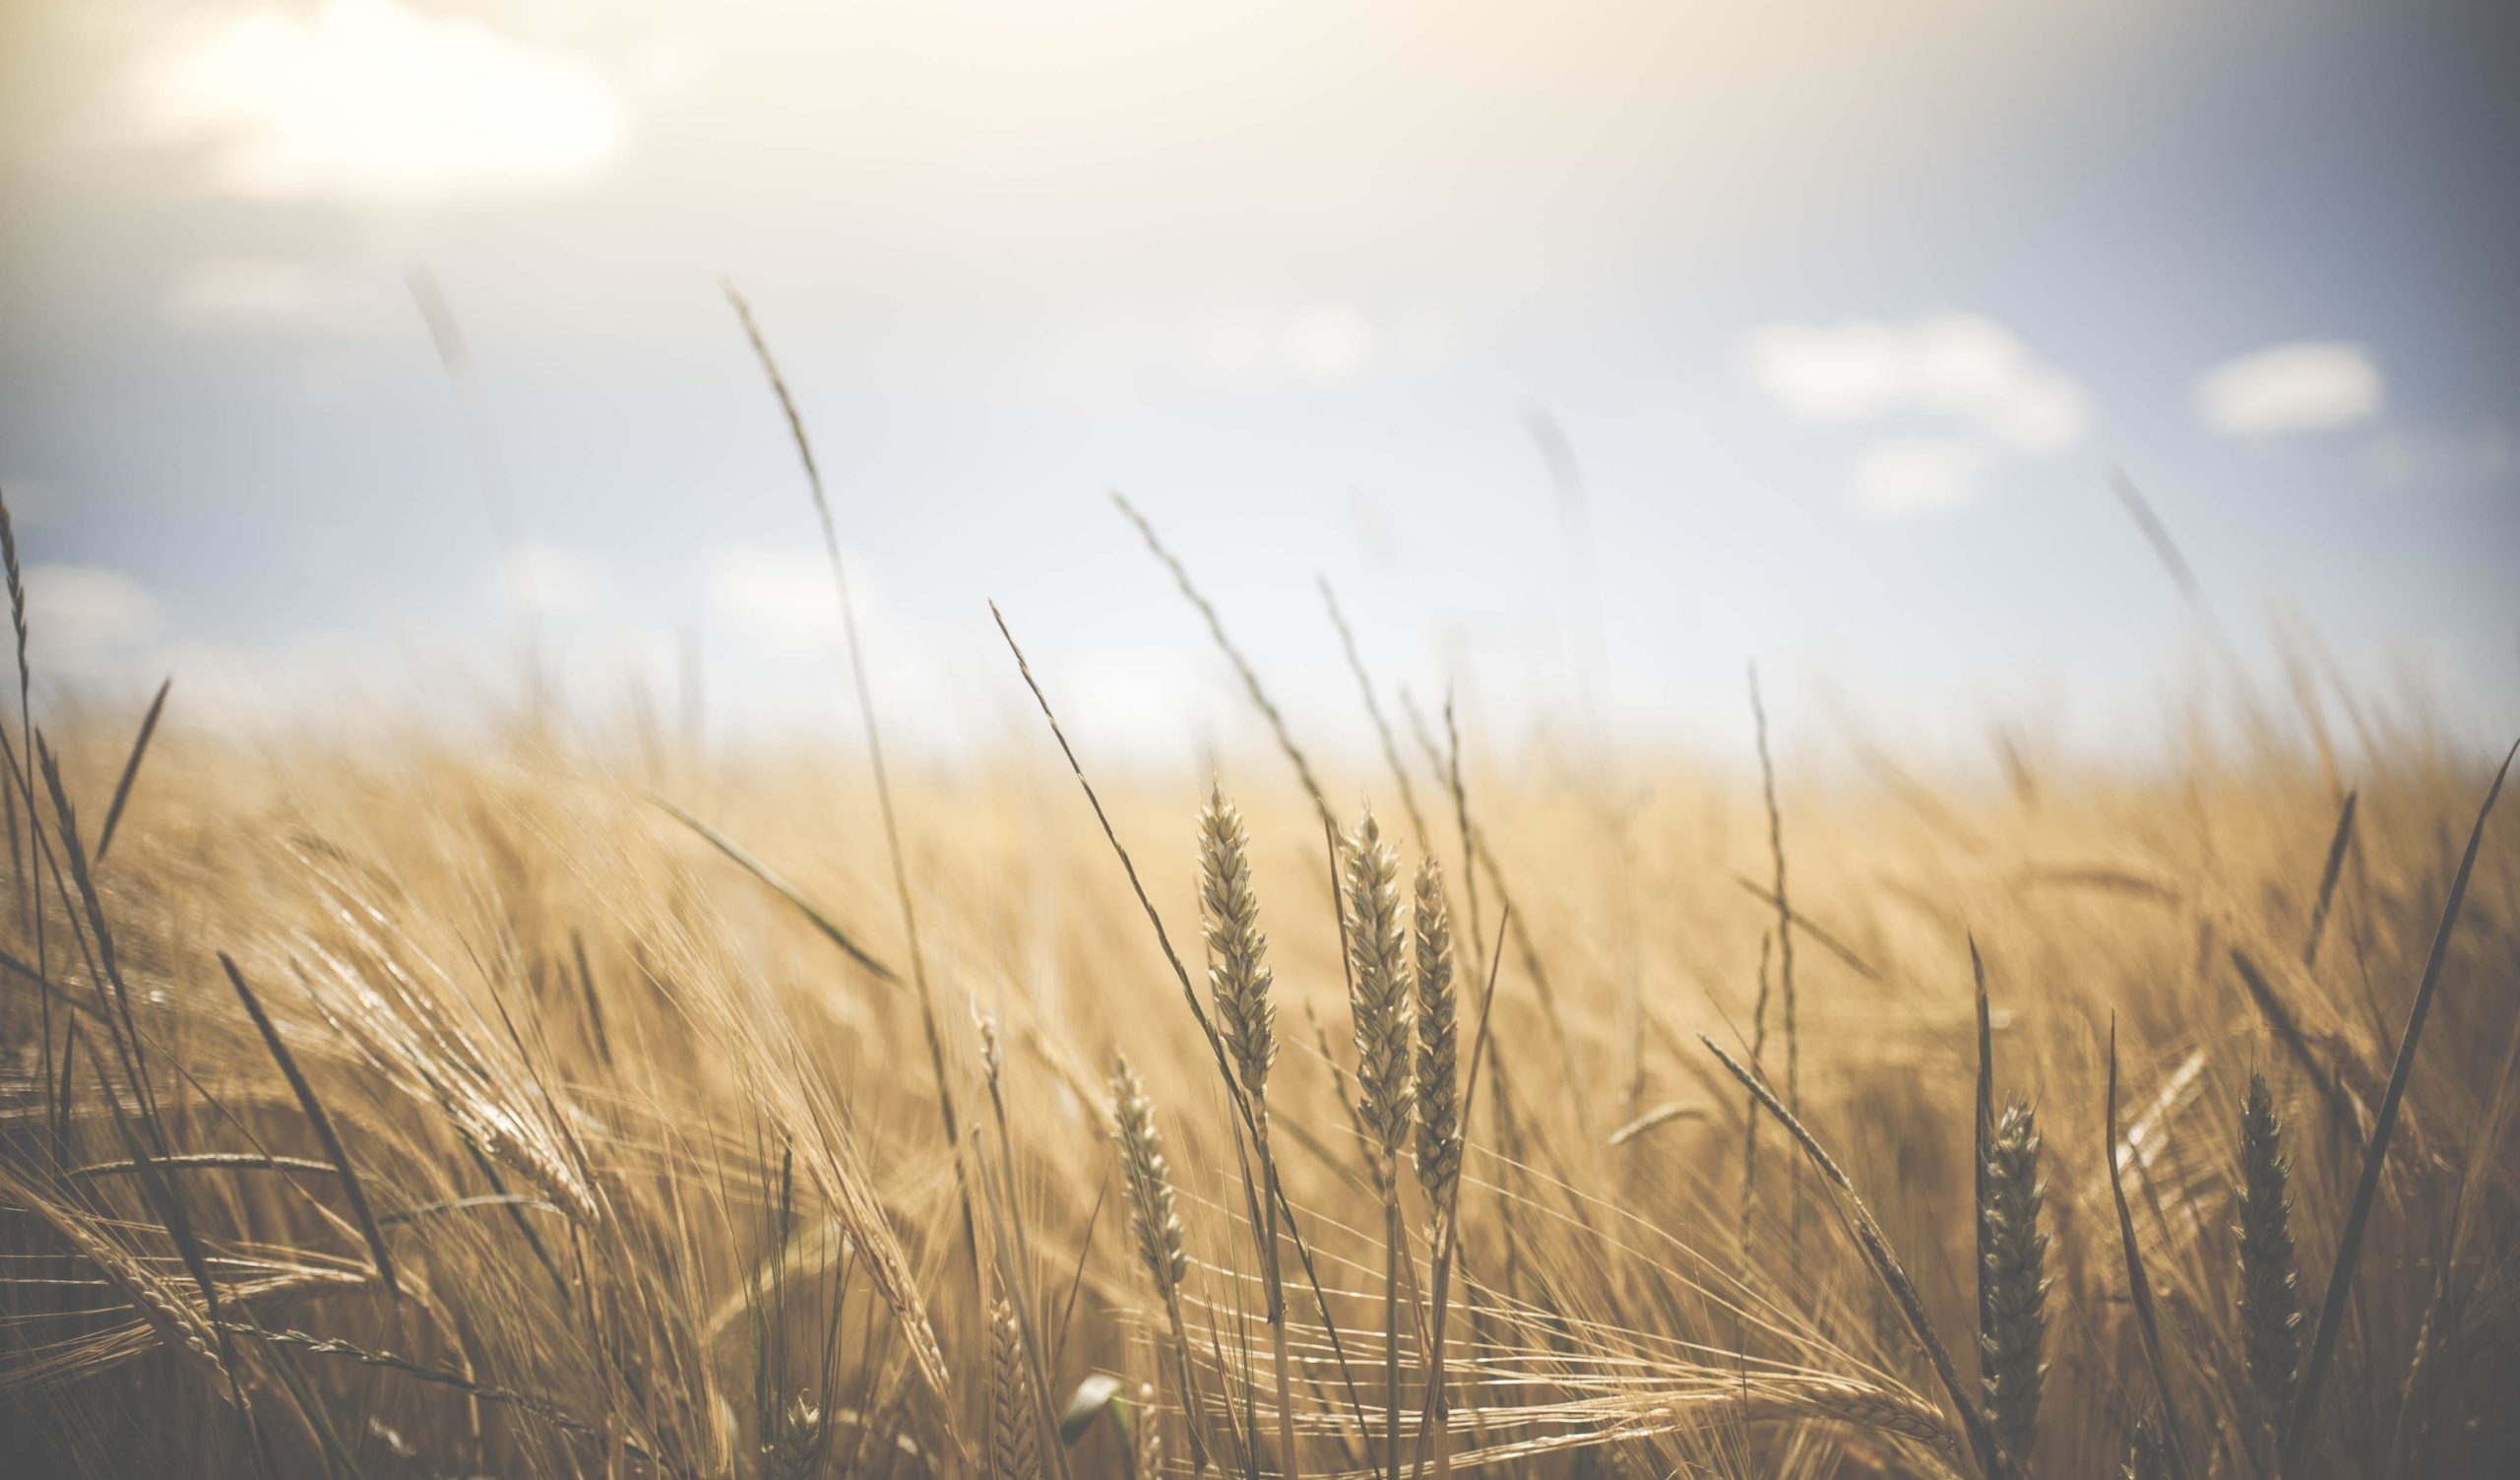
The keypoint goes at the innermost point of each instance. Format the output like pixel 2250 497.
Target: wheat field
pixel 526 1106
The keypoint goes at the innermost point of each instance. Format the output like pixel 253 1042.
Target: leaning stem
pixel 1193 1418
pixel 1391 1314
pixel 1277 1289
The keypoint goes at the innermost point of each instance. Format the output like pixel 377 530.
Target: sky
pixel 1589 352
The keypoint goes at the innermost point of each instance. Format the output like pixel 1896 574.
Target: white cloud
pixel 774 593
pixel 1328 341
pixel 83 612
pixel 552 580
pixel 2308 386
pixel 374 99
pixel 1956 367
pixel 1971 380
pixel 1325 341
pixel 1901 477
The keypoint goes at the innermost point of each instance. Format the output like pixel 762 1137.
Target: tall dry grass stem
pixel 2366 1191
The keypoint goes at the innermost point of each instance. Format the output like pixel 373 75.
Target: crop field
pixel 520 1106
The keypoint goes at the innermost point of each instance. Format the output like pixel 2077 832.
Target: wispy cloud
pixel 375 99
pixel 2311 385
pixel 554 580
pixel 81 613
pixel 1970 379
pixel 1326 342
pixel 778 593
pixel 1902 478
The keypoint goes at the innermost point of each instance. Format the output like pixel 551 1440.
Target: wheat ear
pixel 2270 1303
pixel 1378 995
pixel 1438 1068
pixel 1014 1435
pixel 1238 983
pixel 1238 978
pixel 2012 1286
pixel 1156 1224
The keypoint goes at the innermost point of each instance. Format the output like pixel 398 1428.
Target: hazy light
pixel 2310 386
pixel 373 99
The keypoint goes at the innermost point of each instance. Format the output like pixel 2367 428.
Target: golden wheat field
pixel 419 1107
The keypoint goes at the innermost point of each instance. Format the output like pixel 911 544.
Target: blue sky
pixel 1845 313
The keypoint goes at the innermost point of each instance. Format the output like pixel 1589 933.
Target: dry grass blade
pixel 1241 667
pixel 1885 1263
pixel 875 764
pixel 2349 1243
pixel 131 768
pixel 2139 1289
pixel 1784 943
pixel 814 914
pixel 1667 1114
pixel 2328 876
pixel 321 1122
pixel 1854 961
pixel 2288 1031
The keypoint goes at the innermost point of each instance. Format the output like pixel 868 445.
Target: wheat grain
pixel 2012 1286
pixel 2270 1305
pixel 1438 1076
pixel 1238 978
pixel 1379 985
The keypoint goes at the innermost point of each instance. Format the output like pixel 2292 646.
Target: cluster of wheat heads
pixel 421 1108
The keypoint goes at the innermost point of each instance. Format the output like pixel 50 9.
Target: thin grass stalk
pixel 2348 1247
pixel 1215 1043
pixel 1434 1424
pixel 320 1122
pixel 2287 1032
pixel 1233 655
pixel 26 781
pixel 1751 1113
pixel 1784 944
pixel 1374 711
pixel 2139 1288
pixel 1885 1263
pixel 875 763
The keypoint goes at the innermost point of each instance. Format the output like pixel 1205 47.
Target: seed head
pixel 1439 1073
pixel 1238 976
pixel 2270 1300
pixel 2013 1285
pixel 1377 956
pixel 1150 1183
